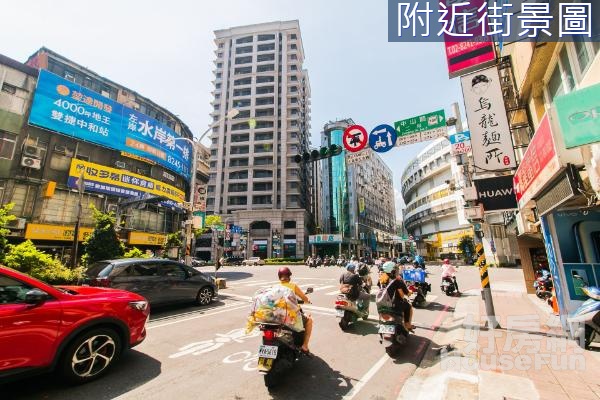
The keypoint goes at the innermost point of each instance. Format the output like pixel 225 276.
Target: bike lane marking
pixel 366 378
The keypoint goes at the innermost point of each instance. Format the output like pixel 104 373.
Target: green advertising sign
pixel 421 128
pixel 579 116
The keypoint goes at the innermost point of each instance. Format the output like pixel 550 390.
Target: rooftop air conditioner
pixel 29 162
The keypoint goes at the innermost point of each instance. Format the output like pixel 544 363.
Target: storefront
pixel 56 240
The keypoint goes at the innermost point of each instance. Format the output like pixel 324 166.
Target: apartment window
pixel 242 92
pixel 293 36
pixel 244 114
pixel 294 135
pixel 213 164
pixel 263 161
pixel 261 173
pixel 243 50
pixel 265 79
pixel 242 70
pixel 294 46
pixel 220 54
pixel 264 124
pixel 238 162
pixel 293 185
pixel 210 201
pixel 243 60
pixel 218 86
pixel 294 89
pixel 262 199
pixel 266 47
pixel 238 175
pixel 262 186
pixel 293 57
pixel 241 103
pixel 265 90
pixel 237 201
pixel 8 88
pixel 221 45
pixel 582 52
pixel 265 57
pixel 217 96
pixel 263 136
pixel 264 38
pixel 238 187
pixel 246 39
pixel 263 148
pixel 294 67
pixel 294 100
pixel 8 143
pixel 561 81
pixel 265 68
pixel 240 127
pixel 244 81
pixel 213 152
pixel 220 65
pixel 210 189
pixel 238 150
pixel 240 138
pixel 293 78
pixel 263 101
pixel 264 112
pixel 219 75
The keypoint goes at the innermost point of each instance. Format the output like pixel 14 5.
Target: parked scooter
pixel 350 311
pixel 543 284
pixel 280 349
pixel 587 317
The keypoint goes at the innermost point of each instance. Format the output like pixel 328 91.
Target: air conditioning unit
pixel 18 223
pixel 32 151
pixel 121 164
pixel 29 162
pixel 112 208
pixel 63 150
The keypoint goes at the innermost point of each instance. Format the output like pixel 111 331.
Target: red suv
pixel 79 331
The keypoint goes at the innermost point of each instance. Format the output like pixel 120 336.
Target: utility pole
pixel 75 246
pixel 486 292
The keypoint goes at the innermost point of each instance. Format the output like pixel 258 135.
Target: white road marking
pixel 323 288
pixel 332 293
pixel 366 378
pixel 226 309
pixel 265 283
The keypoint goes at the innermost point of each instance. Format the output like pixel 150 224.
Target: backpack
pixel 383 299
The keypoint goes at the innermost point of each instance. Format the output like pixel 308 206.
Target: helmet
pixel 388 266
pixel 284 271
pixel 350 267
pixel 446 261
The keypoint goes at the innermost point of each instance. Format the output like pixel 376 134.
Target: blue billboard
pixel 70 109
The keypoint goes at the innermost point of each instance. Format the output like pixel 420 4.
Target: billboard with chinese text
pixel 70 109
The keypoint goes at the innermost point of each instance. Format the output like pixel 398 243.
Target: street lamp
pixel 188 227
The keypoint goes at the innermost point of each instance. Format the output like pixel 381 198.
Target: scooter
pixel 420 289
pixel 449 285
pixel 280 349
pixel 392 331
pixel 543 285
pixel 350 311
pixel 587 317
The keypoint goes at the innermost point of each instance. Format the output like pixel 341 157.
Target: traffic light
pixel 319 154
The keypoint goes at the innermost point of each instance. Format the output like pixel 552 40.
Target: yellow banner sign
pixel 103 179
pixel 455 236
pixel 144 238
pixel 55 232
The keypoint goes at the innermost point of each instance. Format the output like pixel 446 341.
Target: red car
pixel 78 331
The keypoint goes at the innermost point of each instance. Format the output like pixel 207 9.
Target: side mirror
pixel 35 296
pixel 309 290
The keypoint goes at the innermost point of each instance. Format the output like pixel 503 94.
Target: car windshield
pixel 99 269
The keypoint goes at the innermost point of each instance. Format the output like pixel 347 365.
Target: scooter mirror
pixel 309 290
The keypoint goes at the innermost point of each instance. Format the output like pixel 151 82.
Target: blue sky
pixel 164 50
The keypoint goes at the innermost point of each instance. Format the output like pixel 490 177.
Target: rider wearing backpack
pixel 397 291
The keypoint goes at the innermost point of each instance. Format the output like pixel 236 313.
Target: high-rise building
pixel 357 199
pixel 254 182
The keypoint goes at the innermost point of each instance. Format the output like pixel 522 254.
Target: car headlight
pixel 140 305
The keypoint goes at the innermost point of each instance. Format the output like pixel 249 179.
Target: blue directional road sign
pixel 383 138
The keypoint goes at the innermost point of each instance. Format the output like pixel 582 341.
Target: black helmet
pixel 284 271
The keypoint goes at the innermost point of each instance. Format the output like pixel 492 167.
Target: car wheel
pixel 204 296
pixel 90 355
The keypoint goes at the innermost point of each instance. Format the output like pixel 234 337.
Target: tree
pixel 135 253
pixel 25 258
pixel 173 241
pixel 209 223
pixel 467 246
pixel 103 243
pixel 5 218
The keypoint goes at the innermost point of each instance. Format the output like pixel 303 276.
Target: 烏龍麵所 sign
pixel 579 116
pixel 490 135
pixel 324 239
pixel 70 109
pixel 421 128
pixel 118 182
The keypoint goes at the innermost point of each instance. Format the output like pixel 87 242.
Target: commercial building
pixel 254 182
pixel 358 212
pixel 63 126
pixel 557 89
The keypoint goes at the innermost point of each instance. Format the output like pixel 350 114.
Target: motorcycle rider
pixel 448 273
pixel 419 261
pixel 284 274
pixel 392 282
pixel 356 282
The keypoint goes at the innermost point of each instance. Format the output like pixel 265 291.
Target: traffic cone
pixel 554 302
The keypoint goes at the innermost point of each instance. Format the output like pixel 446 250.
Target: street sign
pixel 355 158
pixel 355 138
pixel 382 138
pixel 460 142
pixel 421 128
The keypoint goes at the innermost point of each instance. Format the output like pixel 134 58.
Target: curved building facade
pixel 432 191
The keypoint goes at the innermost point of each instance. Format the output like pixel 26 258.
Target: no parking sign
pixel 355 138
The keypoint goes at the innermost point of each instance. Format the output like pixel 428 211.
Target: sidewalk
pixel 528 357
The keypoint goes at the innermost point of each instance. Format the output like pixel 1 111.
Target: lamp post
pixel 188 225
pixel 75 246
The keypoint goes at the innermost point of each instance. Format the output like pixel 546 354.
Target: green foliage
pixel 213 220
pixel 103 243
pixel 5 218
pixel 135 253
pixel 466 245
pixel 26 258
pixel 286 261
pixel 173 240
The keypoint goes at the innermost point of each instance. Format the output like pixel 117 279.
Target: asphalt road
pixel 203 352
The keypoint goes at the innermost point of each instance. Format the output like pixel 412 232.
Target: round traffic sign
pixel 383 138
pixel 355 138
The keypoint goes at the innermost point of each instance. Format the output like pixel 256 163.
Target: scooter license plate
pixel 339 313
pixel 387 329
pixel 267 351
